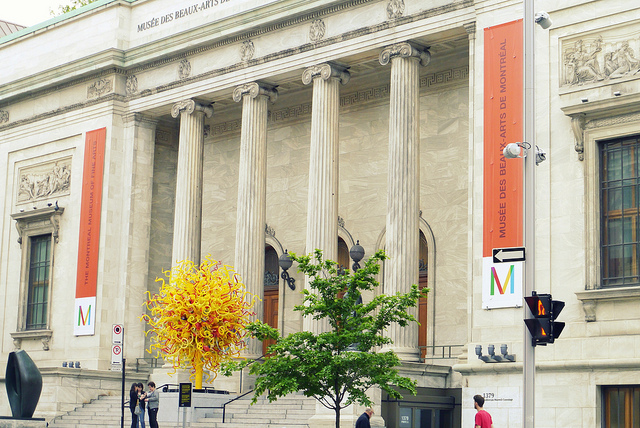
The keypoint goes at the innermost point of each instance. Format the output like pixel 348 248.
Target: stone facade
pixel 324 158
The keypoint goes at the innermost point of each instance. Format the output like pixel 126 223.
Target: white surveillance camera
pixel 543 19
pixel 512 151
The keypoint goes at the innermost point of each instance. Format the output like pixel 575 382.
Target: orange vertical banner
pixel 89 238
pixel 503 110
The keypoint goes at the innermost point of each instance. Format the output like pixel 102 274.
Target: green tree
pixel 75 4
pixel 336 367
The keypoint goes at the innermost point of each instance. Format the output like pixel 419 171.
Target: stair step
pixel 287 412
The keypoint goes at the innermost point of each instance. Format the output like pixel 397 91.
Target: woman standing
pixel 134 404
pixel 153 400
pixel 141 396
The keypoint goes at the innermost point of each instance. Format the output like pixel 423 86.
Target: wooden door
pixel 422 318
pixel 270 312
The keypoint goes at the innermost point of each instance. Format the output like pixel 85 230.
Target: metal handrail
pixel 447 351
pixel 224 406
pixel 153 363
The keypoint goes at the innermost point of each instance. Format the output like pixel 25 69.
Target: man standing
pixel 363 420
pixel 483 418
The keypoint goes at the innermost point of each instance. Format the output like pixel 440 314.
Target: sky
pixel 28 12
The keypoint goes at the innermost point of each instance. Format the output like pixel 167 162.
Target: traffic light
pixel 543 327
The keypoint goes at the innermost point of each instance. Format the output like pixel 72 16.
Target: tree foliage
pixel 339 366
pixel 75 4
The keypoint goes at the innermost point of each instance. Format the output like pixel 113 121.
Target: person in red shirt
pixel 483 418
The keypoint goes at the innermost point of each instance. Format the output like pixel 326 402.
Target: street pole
pixel 529 369
pixel 122 398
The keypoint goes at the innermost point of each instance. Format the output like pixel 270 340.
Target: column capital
pixel 326 71
pixel 189 106
pixel 405 50
pixel 254 89
pixel 470 28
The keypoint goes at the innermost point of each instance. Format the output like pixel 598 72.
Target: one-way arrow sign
pixel 504 255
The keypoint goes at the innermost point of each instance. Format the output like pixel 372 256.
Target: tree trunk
pixel 337 416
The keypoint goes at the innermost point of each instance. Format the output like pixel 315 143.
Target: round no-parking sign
pixel 116 354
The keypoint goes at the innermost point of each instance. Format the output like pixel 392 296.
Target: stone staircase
pixel 288 412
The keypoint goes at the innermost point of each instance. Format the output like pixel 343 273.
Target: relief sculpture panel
pixel 600 57
pixel 44 180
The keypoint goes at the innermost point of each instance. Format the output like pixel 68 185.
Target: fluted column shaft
pixel 252 195
pixel 322 206
pixel 403 200
pixel 187 222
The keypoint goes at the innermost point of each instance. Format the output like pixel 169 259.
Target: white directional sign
pixel 508 255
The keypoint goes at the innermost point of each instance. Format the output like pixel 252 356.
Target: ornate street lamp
pixel 285 263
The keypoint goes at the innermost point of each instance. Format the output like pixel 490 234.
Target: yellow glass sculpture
pixel 199 317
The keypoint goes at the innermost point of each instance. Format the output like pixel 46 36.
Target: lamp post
pixel 529 370
pixel 356 253
pixel 285 262
pixel 535 156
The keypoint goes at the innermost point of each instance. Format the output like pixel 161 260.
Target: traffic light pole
pixel 529 370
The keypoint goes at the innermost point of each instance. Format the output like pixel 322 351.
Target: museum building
pixel 138 133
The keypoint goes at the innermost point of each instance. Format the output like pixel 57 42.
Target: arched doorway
pixel 271 290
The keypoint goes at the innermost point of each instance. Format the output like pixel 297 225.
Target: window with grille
pixel 38 282
pixel 621 406
pixel 620 210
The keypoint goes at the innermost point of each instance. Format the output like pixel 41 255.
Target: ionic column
pixel 252 191
pixel 403 200
pixel 322 207
pixel 187 220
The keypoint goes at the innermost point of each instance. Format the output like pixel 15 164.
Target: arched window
pixel 343 254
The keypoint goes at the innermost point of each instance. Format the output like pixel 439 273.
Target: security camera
pixel 512 151
pixel 543 19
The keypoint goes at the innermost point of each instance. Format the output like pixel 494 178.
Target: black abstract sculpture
pixel 24 384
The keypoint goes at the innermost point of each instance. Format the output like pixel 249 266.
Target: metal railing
pixel 441 352
pixel 224 405
pixel 150 362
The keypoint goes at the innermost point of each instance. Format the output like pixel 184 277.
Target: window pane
pixel 38 282
pixel 613 166
pixel 620 195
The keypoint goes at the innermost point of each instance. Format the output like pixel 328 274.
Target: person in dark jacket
pixel 133 404
pixel 363 420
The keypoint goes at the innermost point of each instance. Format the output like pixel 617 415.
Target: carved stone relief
pixel 207 131
pixel 99 88
pixel 184 69
pixel 395 9
pixel 44 180
pixel 270 231
pixel 596 58
pixel 4 116
pixel 132 84
pixel 317 30
pixel 247 50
